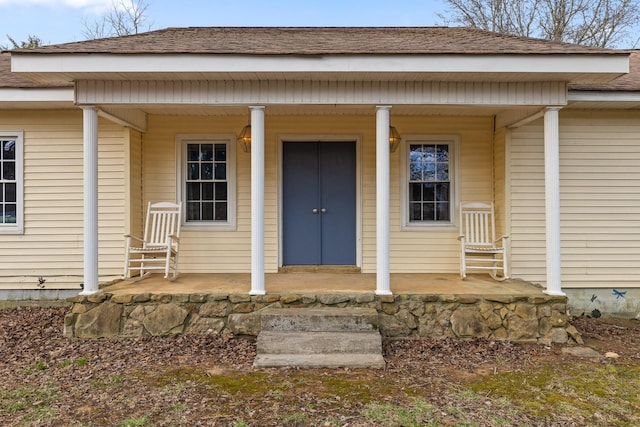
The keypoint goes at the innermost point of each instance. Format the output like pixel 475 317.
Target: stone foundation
pixel 534 318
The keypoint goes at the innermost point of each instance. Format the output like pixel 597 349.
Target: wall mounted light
pixel 244 139
pixel 394 138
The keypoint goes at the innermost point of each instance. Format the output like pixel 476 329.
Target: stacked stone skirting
pixel 534 318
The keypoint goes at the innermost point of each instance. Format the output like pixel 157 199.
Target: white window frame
pixel 454 167
pixel 181 178
pixel 18 227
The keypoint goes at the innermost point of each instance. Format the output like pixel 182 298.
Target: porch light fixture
pixel 245 139
pixel 394 138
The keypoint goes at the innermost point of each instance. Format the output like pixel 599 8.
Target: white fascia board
pixel 37 95
pixel 203 63
pixel 603 96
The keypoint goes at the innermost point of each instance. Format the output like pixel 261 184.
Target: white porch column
pixel 90 136
pixel 383 286
pixel 552 199
pixel 257 200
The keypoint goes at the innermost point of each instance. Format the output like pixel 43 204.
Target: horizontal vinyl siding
pixel 52 243
pixel 600 199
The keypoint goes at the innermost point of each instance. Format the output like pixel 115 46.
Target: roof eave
pixel 50 68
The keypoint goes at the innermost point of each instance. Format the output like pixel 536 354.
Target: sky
pixel 61 21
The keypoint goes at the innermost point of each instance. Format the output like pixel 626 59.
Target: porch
pixel 435 305
pixel 324 280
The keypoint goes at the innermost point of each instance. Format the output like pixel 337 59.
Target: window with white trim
pixel 429 167
pixel 11 185
pixel 207 180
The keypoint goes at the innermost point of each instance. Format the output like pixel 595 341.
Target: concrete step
pixel 319 320
pixel 335 360
pixel 319 337
pixel 274 342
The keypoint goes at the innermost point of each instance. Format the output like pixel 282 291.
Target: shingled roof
pixel 319 41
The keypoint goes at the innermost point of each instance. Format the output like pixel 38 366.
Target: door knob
pixel 323 210
pixel 314 210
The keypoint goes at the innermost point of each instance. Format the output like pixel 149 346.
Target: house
pixel 549 132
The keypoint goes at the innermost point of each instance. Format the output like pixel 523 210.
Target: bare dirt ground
pixel 46 379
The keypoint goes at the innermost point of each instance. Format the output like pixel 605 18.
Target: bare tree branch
pixel 604 23
pixel 124 17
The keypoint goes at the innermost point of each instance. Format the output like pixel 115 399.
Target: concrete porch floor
pixel 325 282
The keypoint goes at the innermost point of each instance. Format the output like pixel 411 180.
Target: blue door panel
pixel 320 176
pixel 338 199
pixel 301 228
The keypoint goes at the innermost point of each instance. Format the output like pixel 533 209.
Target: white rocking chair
pixel 479 248
pixel 158 250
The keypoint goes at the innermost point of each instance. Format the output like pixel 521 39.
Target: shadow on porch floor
pixel 281 283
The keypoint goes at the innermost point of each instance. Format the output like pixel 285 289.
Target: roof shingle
pixel 319 41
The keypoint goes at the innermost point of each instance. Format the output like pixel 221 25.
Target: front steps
pixel 319 337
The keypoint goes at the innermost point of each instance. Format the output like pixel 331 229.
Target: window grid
pixel 207 184
pixel 429 183
pixel 8 183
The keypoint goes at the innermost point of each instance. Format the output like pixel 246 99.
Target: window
pixel 11 183
pixel 207 180
pixel 429 182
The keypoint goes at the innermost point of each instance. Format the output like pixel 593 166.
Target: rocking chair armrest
pixel 502 238
pixel 461 237
pixel 173 237
pixel 130 236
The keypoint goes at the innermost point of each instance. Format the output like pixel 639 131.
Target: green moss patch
pixel 588 391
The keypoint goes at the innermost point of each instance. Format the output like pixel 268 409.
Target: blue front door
pixel 319 203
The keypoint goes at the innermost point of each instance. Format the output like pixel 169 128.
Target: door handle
pixel 323 210
pixel 314 211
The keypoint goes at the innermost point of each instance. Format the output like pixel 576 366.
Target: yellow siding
pixel 52 243
pixel 600 199
pixel 229 251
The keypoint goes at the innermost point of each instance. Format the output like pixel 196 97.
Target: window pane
pixel 193 152
pixel 415 212
pixel 415 192
pixel 428 153
pixel 221 153
pixel 206 171
pixel 221 191
pixel 221 171
pixel 442 154
pixel 207 191
pixel 10 193
pixel 206 152
pixel 442 213
pixel 193 211
pixel 428 211
pixel 193 172
pixel 193 191
pixel 442 192
pixel 10 213
pixel 8 150
pixel 428 192
pixel 221 211
pixel 2 191
pixel 207 211
pixel 429 172
pixel 442 172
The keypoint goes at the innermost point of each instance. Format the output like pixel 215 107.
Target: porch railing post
pixel 552 199
pixel 90 178
pixel 257 200
pixel 383 286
